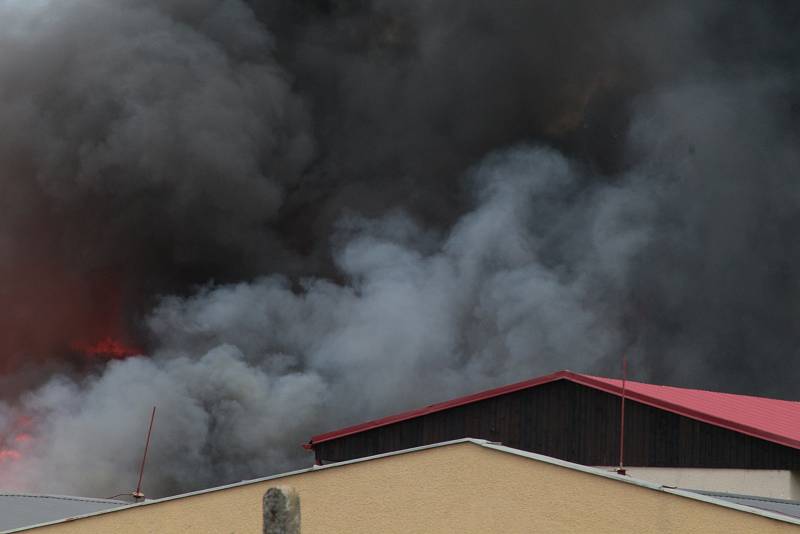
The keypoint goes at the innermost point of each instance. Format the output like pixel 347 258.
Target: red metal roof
pixel 768 419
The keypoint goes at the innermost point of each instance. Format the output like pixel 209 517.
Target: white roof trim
pixel 479 442
pixel 643 483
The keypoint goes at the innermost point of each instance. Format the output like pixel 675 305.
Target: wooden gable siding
pixel 575 423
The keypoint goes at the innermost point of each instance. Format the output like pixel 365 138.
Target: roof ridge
pixel 629 381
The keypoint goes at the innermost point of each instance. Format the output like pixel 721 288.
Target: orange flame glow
pixel 7 455
pixel 15 440
pixel 107 347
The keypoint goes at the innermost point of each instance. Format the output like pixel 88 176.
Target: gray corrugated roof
pixel 20 510
pixel 780 506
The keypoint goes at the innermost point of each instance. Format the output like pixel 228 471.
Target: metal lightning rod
pixel 621 469
pixel 138 495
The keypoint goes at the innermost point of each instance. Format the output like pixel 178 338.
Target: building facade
pixel 466 486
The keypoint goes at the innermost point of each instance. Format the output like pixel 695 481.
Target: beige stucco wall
pixel 779 484
pixel 462 488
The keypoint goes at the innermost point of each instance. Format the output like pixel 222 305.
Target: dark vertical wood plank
pixel 577 423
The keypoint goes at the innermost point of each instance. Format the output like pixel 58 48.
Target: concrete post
pixel 281 511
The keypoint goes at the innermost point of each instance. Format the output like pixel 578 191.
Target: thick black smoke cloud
pixel 309 213
pixel 146 146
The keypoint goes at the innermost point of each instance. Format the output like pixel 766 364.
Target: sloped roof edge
pixel 61 497
pixel 479 442
pixel 602 384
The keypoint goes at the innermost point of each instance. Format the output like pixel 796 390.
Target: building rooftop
pixel 772 420
pixel 781 506
pixel 21 510
pixel 735 502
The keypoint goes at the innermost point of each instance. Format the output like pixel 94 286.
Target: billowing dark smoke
pixel 304 214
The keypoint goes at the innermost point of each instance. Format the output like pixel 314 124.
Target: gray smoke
pixel 122 119
pixel 330 211
pixel 245 372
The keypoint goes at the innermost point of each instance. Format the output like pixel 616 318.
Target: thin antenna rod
pixel 621 469
pixel 138 493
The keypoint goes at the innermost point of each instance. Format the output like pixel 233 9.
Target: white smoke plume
pixel 245 373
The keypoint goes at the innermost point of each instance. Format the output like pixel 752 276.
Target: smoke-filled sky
pixel 303 214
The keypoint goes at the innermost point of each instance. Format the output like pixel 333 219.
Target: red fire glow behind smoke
pixel 52 316
pixel 15 440
pixel 107 347
pixel 104 335
pixel 9 455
